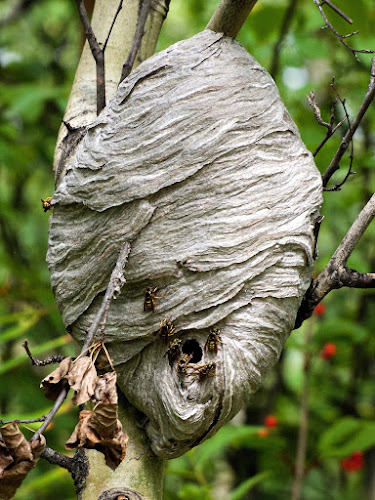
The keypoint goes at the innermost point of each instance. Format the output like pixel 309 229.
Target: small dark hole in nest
pixel 192 347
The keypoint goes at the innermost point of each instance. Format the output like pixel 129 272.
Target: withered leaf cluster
pixel 99 428
pixel 17 457
pixel 80 374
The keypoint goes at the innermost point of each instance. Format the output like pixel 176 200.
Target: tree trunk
pixel 141 470
pixel 81 108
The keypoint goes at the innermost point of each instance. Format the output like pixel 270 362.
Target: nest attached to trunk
pixel 196 163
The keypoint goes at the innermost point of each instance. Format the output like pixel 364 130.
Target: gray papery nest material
pixel 197 163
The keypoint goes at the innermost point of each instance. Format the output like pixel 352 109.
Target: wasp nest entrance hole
pixel 192 347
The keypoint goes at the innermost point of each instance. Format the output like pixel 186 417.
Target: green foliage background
pixel 39 51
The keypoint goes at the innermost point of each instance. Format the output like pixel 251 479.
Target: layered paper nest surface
pixel 198 164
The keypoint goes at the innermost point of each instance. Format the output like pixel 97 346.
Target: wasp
pixel 166 329
pixel 182 363
pixel 174 350
pixel 212 340
pixel 47 203
pixel 205 371
pixel 150 297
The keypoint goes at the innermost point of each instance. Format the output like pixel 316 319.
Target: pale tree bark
pixel 141 470
pixel 81 108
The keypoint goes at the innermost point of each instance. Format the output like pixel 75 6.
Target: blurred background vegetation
pixel 330 358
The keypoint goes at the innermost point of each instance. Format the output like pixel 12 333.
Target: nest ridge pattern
pixel 196 163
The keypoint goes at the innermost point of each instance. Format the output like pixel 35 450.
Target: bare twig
pixel 51 359
pixel 114 286
pixel 328 135
pixel 338 11
pixel 370 94
pixel 304 420
pixel 49 416
pixel 336 274
pixel 139 32
pixel 20 421
pixel 115 283
pixel 113 23
pixel 318 114
pixel 287 21
pixel 331 129
pixel 338 186
pixel 340 37
pixel 97 53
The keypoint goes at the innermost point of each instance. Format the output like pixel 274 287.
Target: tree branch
pixel 49 416
pixel 370 94
pixel 57 458
pixel 21 421
pixel 338 11
pixel 113 23
pixel 336 274
pixel 287 21
pixel 115 283
pixel 355 233
pixel 340 37
pixel 329 126
pixel 230 16
pixel 97 53
pixel 114 286
pixel 51 359
pixel 338 186
pixel 139 32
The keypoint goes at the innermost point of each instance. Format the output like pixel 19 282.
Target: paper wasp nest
pixel 197 164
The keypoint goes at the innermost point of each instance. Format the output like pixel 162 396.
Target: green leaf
pixel 226 436
pixel 346 436
pixel 25 322
pixel 247 485
pixel 337 329
pixel 41 484
pixel 191 491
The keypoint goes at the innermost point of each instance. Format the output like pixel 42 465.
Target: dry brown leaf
pixel 55 381
pixel 5 457
pixel 82 378
pixel 16 442
pixel 101 430
pixel 105 389
pixel 24 457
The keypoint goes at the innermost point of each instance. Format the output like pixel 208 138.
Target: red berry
pixel 353 463
pixel 270 421
pixel 329 350
pixel 263 433
pixel 320 310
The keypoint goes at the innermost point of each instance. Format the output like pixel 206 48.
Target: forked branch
pixel 97 52
pixel 336 274
pixel 341 38
pixel 369 97
pixel 331 128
